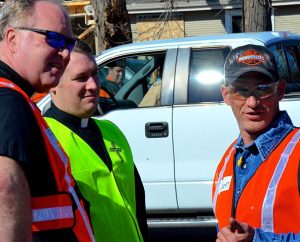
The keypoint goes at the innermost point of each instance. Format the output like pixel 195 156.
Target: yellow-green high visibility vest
pixel 111 194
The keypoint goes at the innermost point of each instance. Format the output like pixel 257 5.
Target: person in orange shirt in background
pixel 103 93
pixel 114 79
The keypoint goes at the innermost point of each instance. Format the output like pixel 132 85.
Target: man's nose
pixel 252 101
pixel 92 83
pixel 65 53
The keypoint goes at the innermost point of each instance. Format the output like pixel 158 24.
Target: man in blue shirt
pixel 261 167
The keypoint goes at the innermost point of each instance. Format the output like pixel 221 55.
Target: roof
pixel 151 6
pixel 233 40
pixel 155 5
pixel 204 2
pixel 199 2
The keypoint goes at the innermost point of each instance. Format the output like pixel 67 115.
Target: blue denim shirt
pixel 252 157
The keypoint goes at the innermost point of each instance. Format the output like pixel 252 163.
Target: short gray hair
pixel 17 12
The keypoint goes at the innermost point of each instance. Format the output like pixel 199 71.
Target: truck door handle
pixel 157 130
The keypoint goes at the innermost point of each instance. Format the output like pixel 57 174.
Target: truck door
pixel 203 125
pixel 148 123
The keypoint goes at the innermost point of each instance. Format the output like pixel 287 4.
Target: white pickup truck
pixel 178 139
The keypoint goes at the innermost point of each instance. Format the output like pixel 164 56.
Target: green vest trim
pixel 111 194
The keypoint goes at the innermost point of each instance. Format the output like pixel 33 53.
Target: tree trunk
pixel 98 6
pixel 257 15
pixel 112 23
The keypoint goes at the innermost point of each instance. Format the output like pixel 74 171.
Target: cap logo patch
pixel 251 57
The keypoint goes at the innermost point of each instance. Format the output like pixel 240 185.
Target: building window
pixel 233 21
pixel 236 24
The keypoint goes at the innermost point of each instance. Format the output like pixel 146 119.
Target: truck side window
pixel 293 62
pixel 206 74
pixel 278 52
pixel 287 59
pixel 140 84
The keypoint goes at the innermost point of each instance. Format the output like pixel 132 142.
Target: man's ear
pixel 52 91
pixel 11 39
pixel 281 88
pixel 225 94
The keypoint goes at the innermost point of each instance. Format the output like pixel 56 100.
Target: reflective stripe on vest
pixel 267 219
pixel 219 180
pixel 52 212
pixel 64 181
pixel 46 214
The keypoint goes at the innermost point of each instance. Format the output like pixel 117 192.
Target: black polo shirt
pixel 20 136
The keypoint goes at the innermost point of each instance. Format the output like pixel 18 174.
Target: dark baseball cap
pixel 119 63
pixel 250 59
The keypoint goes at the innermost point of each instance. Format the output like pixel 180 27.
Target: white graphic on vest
pixel 225 184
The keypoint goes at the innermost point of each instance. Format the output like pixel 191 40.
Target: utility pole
pixel 257 15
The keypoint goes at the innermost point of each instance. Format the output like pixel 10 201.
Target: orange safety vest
pixel 270 200
pixel 63 210
pixel 38 96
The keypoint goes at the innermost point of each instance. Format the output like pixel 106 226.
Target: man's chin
pixel 49 81
pixel 256 129
pixel 89 111
pixel 43 88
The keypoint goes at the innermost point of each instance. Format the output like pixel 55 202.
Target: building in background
pixel 207 17
pixel 159 19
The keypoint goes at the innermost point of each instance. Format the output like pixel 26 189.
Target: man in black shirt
pixel 84 139
pixel 35 43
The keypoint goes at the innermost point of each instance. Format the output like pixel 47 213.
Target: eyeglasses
pixel 261 91
pixel 54 39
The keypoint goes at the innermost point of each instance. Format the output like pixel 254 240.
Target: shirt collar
pixel 7 72
pixel 266 142
pixel 68 119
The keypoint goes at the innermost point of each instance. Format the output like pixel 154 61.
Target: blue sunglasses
pixel 54 39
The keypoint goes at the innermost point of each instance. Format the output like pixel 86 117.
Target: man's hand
pixel 235 231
